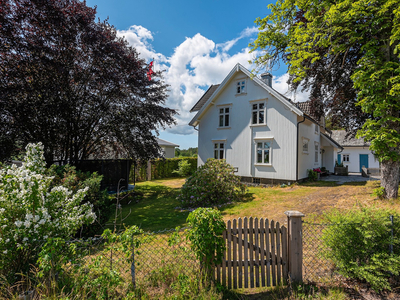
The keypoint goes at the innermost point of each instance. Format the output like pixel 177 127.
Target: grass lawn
pixel 157 209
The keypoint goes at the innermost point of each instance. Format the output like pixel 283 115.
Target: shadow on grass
pixel 356 183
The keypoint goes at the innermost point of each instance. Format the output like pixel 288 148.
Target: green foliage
pixel 184 169
pixel 191 152
pixel 205 236
pixel 379 192
pixel 359 243
pixel 31 211
pixel 162 168
pixel 73 179
pixel 312 175
pixel 213 183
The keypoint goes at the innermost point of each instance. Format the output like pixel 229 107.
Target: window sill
pixel 240 94
pixel 258 125
pixel 219 128
pixel 262 165
pixel 305 153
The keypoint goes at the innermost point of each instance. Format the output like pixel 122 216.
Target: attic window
pixel 241 87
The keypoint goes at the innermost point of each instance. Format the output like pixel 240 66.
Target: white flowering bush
pixel 31 212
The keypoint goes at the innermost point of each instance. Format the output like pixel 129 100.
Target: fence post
pixel 295 245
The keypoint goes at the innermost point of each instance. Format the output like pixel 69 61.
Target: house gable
pixel 249 78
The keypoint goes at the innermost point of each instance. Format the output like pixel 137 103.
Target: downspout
pixel 297 149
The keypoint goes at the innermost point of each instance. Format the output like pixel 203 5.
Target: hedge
pixel 161 168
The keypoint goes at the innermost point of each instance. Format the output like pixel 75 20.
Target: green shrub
pixel 205 236
pixel 73 179
pixel 312 175
pixel 184 169
pixel 212 184
pixel 360 242
pixel 161 168
pixel 31 211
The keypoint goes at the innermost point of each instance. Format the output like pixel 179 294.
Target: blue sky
pixel 197 43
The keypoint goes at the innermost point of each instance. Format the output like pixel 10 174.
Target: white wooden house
pixel 355 154
pixel 264 135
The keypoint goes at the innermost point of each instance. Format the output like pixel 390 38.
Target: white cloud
pixel 138 37
pixel 195 64
pixel 280 84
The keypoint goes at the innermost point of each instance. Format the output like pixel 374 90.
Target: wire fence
pixel 159 254
pixel 316 267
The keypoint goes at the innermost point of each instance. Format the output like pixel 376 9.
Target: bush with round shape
pixel 360 243
pixel 212 184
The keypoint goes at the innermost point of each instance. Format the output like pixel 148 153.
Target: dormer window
pixel 241 87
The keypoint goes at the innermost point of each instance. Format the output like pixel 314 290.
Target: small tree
pixel 31 212
pixel 205 236
pixel 212 184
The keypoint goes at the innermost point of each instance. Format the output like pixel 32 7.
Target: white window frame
pixel 305 141
pixel 346 158
pixel 316 151
pixel 316 128
pixel 218 149
pixel 241 86
pixel 257 111
pixel 224 114
pixel 263 149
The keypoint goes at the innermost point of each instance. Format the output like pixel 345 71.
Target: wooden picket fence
pixel 256 253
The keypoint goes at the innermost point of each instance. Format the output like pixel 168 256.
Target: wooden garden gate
pixel 256 254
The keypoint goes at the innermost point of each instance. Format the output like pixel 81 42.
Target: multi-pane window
pixel 258 113
pixel 224 116
pixel 219 150
pixel 346 157
pixel 241 87
pixel 263 155
pixel 316 126
pixel 305 145
pixel 316 145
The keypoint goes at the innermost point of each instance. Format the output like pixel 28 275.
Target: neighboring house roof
pixel 165 143
pixel 237 68
pixel 340 137
pixel 331 141
pixel 306 108
pixel 205 97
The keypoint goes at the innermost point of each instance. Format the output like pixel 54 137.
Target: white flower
pixel 5 251
pixel 18 223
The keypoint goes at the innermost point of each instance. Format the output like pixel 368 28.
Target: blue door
pixel 363 161
pixel 339 158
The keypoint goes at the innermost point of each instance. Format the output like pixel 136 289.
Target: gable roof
pixel 205 97
pixel 165 143
pixel 340 137
pixel 239 68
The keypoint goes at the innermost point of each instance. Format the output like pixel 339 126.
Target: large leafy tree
pixel 68 81
pixel 347 53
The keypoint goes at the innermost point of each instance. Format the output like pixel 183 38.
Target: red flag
pixel 150 71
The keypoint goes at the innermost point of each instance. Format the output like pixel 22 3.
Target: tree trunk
pixel 390 178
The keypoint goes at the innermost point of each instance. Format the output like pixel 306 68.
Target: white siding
pixel 354 158
pixel 307 159
pixel 239 137
pixel 169 152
